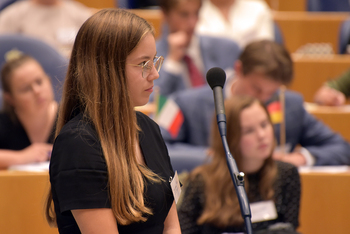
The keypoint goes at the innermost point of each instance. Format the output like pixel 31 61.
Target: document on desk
pixel 33 167
pixel 324 169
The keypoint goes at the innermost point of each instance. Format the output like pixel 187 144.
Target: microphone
pixel 216 78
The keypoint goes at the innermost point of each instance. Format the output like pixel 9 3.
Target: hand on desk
pixel 329 97
pixel 36 152
pixel 294 158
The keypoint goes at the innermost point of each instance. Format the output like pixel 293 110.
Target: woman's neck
pixel 38 125
pixel 250 166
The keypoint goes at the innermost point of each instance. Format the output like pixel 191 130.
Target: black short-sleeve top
pixel 13 136
pixel 78 174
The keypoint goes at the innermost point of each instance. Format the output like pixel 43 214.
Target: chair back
pixel 54 64
pixel 344 36
pixel 328 5
pixel 278 34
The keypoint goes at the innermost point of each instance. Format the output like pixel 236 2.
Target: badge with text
pixel 263 211
pixel 175 186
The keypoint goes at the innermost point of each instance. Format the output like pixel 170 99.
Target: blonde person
pixel 210 203
pixel 29 112
pixel 110 168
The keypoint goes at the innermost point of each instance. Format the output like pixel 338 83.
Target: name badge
pixel 263 211
pixel 175 186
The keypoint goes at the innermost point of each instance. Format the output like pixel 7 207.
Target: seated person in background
pixel 29 113
pixel 251 142
pixel 243 21
pixel 53 21
pixel 261 69
pixel 187 56
pixel 334 92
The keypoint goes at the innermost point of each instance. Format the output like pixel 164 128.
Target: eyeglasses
pixel 147 66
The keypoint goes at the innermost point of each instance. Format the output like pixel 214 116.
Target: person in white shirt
pixel 54 21
pixel 243 21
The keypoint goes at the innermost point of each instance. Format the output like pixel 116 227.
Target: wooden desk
pixel 283 5
pixel 325 203
pixel 99 4
pixel 22 199
pixel 310 72
pixel 300 28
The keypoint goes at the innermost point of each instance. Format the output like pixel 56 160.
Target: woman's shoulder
pixel 286 170
pixel 145 121
pixel 78 131
pixel 6 122
pixel 78 123
pixel 77 146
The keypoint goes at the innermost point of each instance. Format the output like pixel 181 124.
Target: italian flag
pixel 168 115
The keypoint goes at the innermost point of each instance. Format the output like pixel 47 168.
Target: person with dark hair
pixel 262 68
pixel 29 112
pixel 189 56
pixel 210 203
pixel 110 169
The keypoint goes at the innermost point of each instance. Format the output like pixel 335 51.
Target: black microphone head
pixel 216 77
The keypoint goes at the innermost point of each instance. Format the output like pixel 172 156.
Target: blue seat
pixel 54 64
pixel 278 34
pixel 344 36
pixel 328 5
pixel 137 4
pixel 185 159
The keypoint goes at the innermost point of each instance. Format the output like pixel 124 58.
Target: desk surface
pixel 22 200
pixel 311 72
pixel 325 203
pixel 283 5
pixel 300 28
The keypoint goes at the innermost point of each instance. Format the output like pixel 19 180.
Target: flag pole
pixel 283 122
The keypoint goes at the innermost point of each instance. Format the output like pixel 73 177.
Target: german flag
pixel 275 111
pixel 275 107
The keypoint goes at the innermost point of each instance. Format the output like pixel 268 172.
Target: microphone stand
pixel 237 177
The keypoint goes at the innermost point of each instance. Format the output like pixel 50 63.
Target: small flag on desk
pixel 168 115
pixel 275 111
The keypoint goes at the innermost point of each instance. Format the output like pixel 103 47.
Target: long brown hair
pixel 221 204
pixel 97 84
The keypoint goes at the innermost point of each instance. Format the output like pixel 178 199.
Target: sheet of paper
pixel 39 167
pixel 324 169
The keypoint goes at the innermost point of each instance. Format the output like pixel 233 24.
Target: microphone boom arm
pixel 237 177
